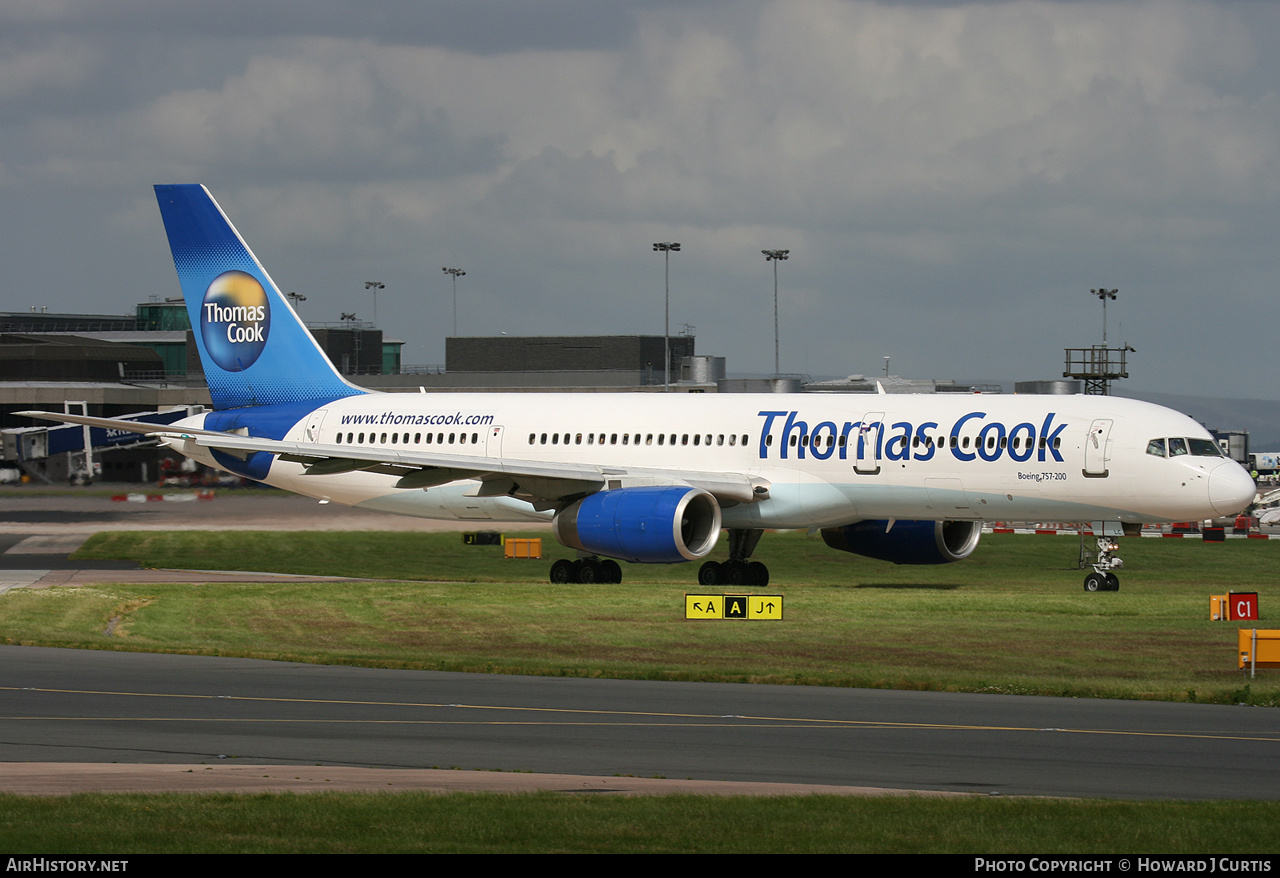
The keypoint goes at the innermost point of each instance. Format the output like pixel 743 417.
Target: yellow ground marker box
pixel 523 547
pixel 1258 647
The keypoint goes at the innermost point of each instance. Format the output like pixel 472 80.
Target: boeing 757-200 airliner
pixel 654 478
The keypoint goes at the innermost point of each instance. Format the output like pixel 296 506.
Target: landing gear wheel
pixel 757 573
pixel 735 573
pixel 1095 582
pixel 1113 582
pixel 610 570
pixel 710 573
pixel 590 572
pixel 562 571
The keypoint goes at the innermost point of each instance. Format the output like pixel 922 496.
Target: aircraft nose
pixel 1231 489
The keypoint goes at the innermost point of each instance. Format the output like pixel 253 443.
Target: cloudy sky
pixel 951 178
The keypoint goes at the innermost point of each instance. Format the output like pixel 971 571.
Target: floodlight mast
pixel 455 273
pixel 666 248
pixel 775 256
pixel 1099 365
pixel 1104 295
pixel 374 286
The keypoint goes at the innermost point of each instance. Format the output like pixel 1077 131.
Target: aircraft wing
pixel 141 427
pixel 541 483
pixel 545 484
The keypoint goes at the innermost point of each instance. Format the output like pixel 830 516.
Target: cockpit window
pixel 1205 448
pixel 1178 446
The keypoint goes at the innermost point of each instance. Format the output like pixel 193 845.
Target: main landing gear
pixel 1101 578
pixel 586 570
pixel 737 570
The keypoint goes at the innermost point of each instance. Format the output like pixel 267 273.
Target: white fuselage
pixel 828 459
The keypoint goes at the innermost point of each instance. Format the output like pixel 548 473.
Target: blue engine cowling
pixel 907 542
pixel 649 525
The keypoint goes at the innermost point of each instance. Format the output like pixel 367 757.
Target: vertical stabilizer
pixel 254 349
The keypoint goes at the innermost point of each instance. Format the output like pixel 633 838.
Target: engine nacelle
pixel 652 525
pixel 907 542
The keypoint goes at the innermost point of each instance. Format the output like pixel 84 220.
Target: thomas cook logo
pixel 235 320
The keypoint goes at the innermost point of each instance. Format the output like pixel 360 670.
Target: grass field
pixel 1011 619
pixel 559 823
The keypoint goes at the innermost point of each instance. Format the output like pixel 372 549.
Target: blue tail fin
pixel 254 348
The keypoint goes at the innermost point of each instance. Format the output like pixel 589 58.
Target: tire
pixel 710 573
pixel 757 573
pixel 611 571
pixel 1113 582
pixel 562 571
pixel 590 572
pixel 735 573
pixel 1095 582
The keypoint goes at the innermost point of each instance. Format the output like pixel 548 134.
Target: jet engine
pixel 653 525
pixel 907 542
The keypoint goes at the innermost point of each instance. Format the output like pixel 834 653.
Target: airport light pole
pixel 298 299
pixel 1104 295
pixel 775 256
pixel 666 248
pixel 374 286
pixel 456 273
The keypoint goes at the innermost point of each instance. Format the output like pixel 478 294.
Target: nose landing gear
pixel 1102 578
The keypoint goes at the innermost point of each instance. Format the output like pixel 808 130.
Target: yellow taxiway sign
pixel 753 607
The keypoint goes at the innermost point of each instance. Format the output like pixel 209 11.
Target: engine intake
pixel 651 525
pixel 907 542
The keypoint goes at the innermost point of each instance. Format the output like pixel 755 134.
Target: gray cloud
pixel 951 177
